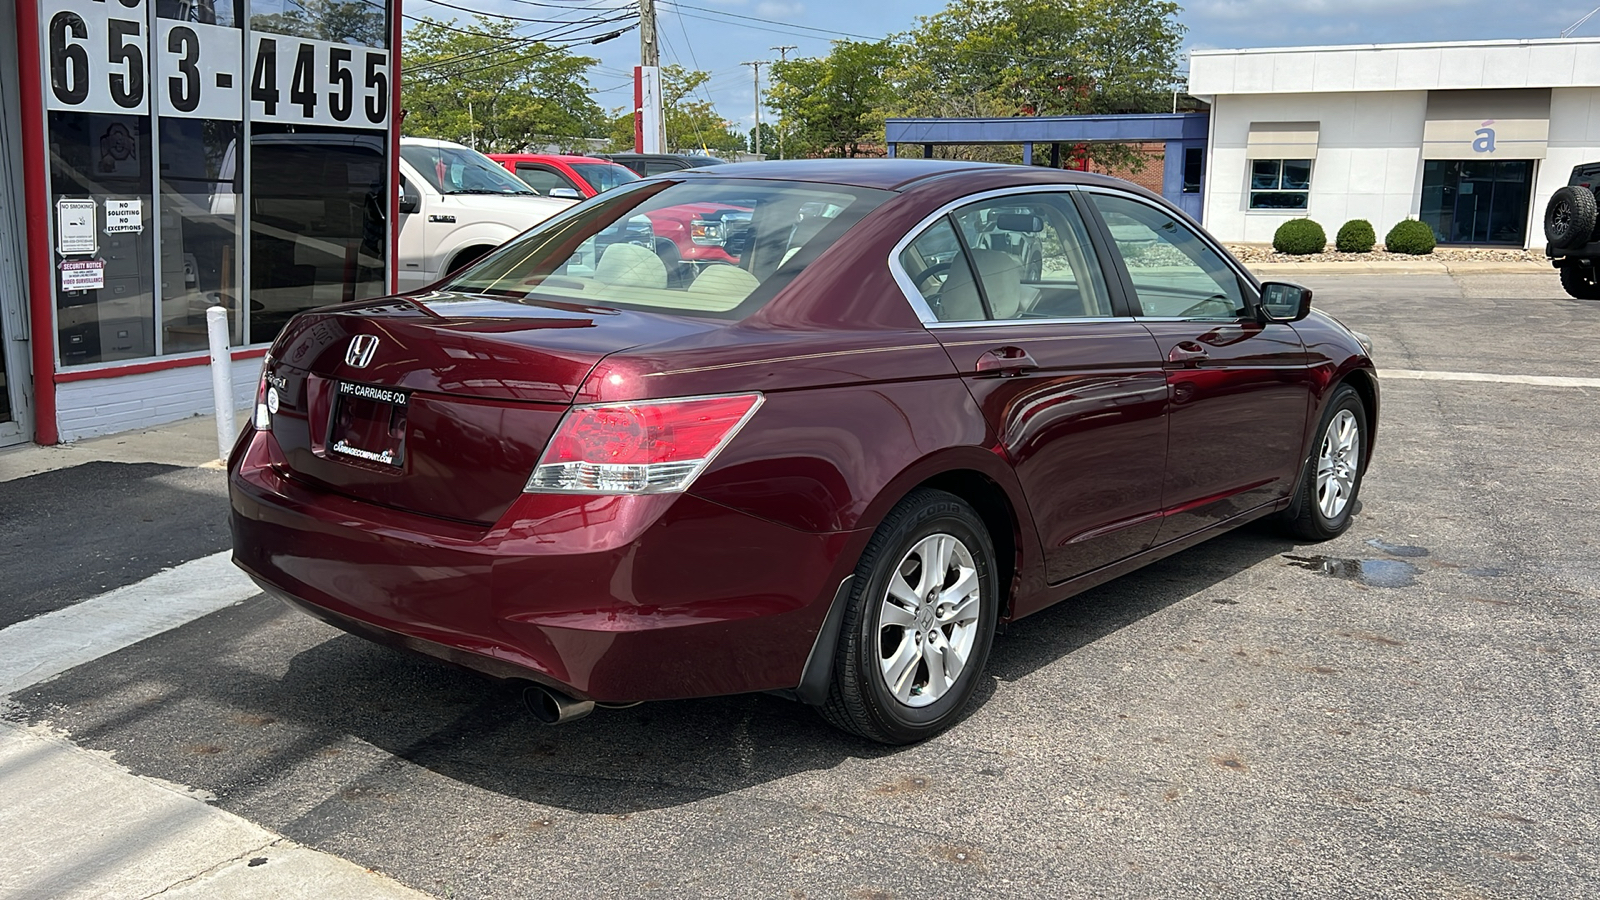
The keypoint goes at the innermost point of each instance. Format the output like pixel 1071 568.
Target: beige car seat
pixel 630 265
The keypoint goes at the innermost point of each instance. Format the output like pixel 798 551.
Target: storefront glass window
pixel 1280 183
pixel 177 153
pixel 1477 201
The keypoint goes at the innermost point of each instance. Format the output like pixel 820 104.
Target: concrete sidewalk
pixel 79 825
pixel 186 442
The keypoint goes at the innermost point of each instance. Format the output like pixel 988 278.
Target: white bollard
pixel 221 380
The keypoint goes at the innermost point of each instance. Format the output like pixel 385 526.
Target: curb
pixel 1439 267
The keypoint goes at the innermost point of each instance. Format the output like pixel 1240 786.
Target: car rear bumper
pixel 613 599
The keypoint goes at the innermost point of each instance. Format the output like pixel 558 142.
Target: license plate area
pixel 368 425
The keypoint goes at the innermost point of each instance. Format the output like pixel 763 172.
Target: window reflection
pixel 199 233
pixel 105 158
pixel 317 232
pixel 354 22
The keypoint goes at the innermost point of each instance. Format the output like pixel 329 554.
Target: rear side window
pixel 542 179
pixel 712 247
pixel 1019 257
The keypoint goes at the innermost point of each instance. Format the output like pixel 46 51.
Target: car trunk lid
pixel 439 405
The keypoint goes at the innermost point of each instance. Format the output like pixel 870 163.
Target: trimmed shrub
pixel 1410 236
pixel 1356 236
pixel 1300 237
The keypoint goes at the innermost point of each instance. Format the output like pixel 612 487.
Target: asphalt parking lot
pixel 1408 711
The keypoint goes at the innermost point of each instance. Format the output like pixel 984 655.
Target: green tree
pixel 1041 58
pixel 491 89
pixel 832 105
pixel 693 124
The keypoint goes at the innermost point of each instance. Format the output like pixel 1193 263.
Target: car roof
pixel 550 157
pixel 885 174
pixel 699 158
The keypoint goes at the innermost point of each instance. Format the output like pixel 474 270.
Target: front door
pixel 14 380
pixel 1072 389
pixel 1240 390
pixel 1477 201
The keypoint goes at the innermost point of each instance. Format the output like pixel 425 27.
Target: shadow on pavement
pixel 257 704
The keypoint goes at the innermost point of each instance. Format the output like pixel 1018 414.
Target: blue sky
pixel 709 35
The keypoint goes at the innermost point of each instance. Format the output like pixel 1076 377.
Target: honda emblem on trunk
pixel 362 346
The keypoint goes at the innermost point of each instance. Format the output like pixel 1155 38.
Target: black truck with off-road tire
pixel 1572 230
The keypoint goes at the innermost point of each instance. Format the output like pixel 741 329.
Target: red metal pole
pixel 36 200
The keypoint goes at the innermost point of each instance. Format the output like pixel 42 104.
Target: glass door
pixel 1474 201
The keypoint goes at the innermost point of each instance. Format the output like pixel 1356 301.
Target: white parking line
pixel 50 644
pixel 1542 380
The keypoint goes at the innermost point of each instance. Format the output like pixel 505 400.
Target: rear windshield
pixel 704 247
pixel 604 176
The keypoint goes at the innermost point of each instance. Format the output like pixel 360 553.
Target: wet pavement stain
pixel 1389 573
pixel 1405 550
pixel 1484 572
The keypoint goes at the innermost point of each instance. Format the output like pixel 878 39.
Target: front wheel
pixel 1332 475
pixel 920 622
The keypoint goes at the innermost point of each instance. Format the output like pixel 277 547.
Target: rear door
pixel 1071 385
pixel 1240 390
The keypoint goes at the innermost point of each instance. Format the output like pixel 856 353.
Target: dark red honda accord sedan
pixel 928 398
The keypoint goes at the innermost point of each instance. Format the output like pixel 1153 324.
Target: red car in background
pixel 829 470
pixel 697 231
pixel 573 177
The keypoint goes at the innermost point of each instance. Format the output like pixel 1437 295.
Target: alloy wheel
pixel 928 620
pixel 1338 461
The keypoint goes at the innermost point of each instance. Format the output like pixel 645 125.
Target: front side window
pixel 1280 183
pixel 1174 272
pixel 458 170
pixel 718 248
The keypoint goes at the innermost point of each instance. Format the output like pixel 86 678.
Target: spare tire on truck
pixel 1570 217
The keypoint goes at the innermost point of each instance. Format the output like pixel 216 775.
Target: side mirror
pixel 1284 302
pixel 410 200
pixel 565 193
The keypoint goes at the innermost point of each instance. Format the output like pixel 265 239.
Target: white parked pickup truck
pixel 455 206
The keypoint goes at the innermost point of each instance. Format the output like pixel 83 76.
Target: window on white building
pixel 1280 183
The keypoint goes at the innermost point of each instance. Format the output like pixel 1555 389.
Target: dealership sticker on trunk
pixel 369 423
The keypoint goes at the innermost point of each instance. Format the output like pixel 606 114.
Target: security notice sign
pixel 83 274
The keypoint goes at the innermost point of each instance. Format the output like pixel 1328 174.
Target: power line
pixel 526 57
pixel 515 42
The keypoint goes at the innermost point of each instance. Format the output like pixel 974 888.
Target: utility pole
pixel 755 71
pixel 783 56
pixel 649 130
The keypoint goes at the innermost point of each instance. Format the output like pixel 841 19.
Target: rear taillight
pixel 649 447
pixel 266 397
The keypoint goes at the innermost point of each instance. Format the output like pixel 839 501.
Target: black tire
pixel 1306 517
pixel 1582 282
pixel 1570 217
pixel 466 258
pixel 860 699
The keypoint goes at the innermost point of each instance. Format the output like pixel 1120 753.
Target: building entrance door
pixel 1471 201
pixel 15 421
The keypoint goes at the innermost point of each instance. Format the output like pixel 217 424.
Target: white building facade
pixel 1471 138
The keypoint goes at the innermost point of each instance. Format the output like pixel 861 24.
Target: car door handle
pixel 1187 354
pixel 1005 362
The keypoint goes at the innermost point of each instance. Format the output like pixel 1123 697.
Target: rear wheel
pixel 1570 217
pixel 1580 281
pixel 1332 475
pixel 920 622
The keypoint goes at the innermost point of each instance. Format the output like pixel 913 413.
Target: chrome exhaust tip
pixel 553 707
